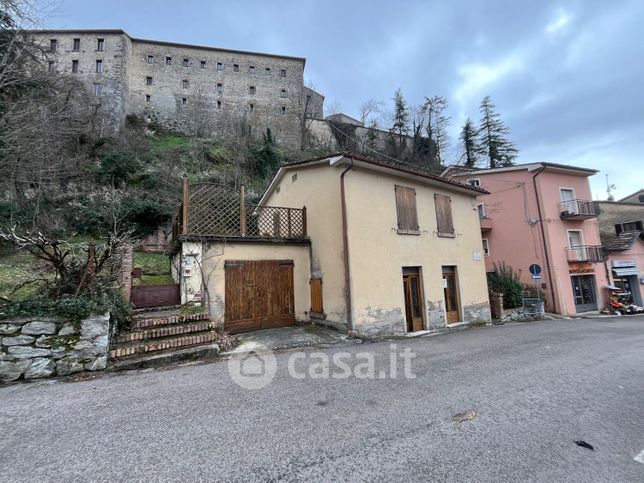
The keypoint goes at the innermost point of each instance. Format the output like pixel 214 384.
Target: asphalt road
pixel 535 388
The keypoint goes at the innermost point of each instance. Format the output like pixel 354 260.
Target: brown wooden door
pixel 452 306
pixel 316 296
pixel 144 296
pixel 413 302
pixel 259 295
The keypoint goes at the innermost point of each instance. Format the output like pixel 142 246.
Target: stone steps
pixel 163 331
pixel 144 322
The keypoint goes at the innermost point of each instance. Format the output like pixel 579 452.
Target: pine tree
pixel 399 127
pixel 499 150
pixel 437 123
pixel 471 143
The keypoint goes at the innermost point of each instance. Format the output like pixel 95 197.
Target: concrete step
pixel 157 320
pixel 163 331
pixel 144 347
pixel 164 357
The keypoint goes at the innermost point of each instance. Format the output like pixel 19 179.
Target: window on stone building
pixel 218 104
pixel 148 81
pixel 100 45
pixel 186 62
pixel 147 98
pixel 98 89
pixel 168 61
pixel 252 90
pixel 184 101
pixel 251 107
pixel 283 111
pixel 220 66
pixel 150 59
pixel 267 71
pixel 283 93
pixel 220 88
pixel 50 66
pixel 251 69
pixel 76 45
pixel 203 64
pixel 74 67
pixel 235 67
pixel 282 72
pixel 53 45
pixel 99 66
pixel 185 83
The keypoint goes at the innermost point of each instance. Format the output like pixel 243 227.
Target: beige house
pixel 360 244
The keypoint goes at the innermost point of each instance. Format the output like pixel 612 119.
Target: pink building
pixel 543 213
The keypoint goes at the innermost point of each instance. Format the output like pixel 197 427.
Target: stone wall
pixel 36 347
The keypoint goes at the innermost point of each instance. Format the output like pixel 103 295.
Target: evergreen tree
pixel 471 143
pixel 436 128
pixel 499 150
pixel 400 126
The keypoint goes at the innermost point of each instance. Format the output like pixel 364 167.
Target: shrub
pixel 117 168
pixel 506 281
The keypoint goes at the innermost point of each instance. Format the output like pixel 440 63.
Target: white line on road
pixel 640 457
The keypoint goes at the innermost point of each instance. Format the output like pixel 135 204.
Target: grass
pixel 152 263
pixel 170 141
pixel 164 279
pixel 15 269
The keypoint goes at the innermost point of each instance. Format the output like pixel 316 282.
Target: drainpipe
pixel 345 246
pixel 543 236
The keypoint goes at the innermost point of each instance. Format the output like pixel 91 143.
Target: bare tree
pixel 370 109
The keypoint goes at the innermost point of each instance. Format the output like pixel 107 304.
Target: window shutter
pixel 444 215
pixel 406 209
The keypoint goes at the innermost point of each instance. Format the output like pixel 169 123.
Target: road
pixel 535 388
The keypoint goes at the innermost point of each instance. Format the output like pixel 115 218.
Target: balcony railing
pixel 586 253
pixel 578 210
pixel 486 224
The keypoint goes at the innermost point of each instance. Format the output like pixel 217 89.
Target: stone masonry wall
pixel 37 347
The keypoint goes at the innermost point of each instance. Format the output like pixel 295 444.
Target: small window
pixel 283 111
pixel 220 66
pixel 203 64
pixel 168 61
pixel 74 67
pixel 283 93
pixel 406 210
pixel 147 98
pixel 53 45
pixel 185 83
pixel 220 88
pixel 76 45
pixel 267 71
pixel 100 45
pixel 50 66
pixel 99 66
pixel 251 69
pixel 486 247
pixel 481 209
pixel 150 59
pixel 252 90
pixel 294 178
pixel 641 198
pixel 282 72
pixel 476 183
pixel 148 81
pixel 444 222
pixel 98 89
pixel 218 104
pixel 251 107
pixel 184 101
pixel 235 67
pixel 186 62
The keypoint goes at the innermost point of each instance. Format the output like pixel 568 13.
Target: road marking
pixel 640 457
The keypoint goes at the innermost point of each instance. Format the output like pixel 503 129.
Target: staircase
pixel 163 336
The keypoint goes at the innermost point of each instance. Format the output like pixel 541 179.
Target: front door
pixel 413 299
pixel 583 289
pixel 450 285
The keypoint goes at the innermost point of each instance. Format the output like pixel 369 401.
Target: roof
pixel 161 42
pixel 378 165
pixel 624 241
pixel 575 170
pixel 633 195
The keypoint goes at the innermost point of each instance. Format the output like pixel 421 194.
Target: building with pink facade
pixel 543 213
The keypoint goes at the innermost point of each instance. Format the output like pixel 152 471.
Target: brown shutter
pixel 406 209
pixel 444 215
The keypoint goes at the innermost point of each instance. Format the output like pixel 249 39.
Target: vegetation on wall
pixel 506 281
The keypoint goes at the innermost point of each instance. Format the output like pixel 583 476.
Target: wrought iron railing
pixel 586 253
pixel 578 209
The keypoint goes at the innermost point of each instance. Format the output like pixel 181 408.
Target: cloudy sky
pixel 566 76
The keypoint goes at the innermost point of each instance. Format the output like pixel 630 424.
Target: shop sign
pixel 582 268
pixel 623 263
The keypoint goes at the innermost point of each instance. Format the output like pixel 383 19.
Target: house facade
pixel 543 214
pixel 381 250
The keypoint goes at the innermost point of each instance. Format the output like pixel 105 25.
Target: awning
pixel 625 272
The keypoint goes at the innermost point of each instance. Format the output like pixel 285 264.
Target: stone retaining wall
pixel 36 347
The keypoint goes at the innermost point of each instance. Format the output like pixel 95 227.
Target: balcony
pixel 486 224
pixel 586 253
pixel 578 210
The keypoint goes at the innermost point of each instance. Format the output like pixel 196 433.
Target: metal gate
pixel 143 296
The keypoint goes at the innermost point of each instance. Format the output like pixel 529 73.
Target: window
pixel 185 83
pixel 444 220
pixel 476 183
pixel 251 107
pixel 282 72
pixel 486 247
pixel 53 45
pixel 184 101
pixel 481 209
pixel 218 104
pixel 150 59
pixel 168 61
pixel 147 98
pixel 74 67
pixel 406 210
pixel 186 62
pixel 252 90
pixel 76 45
pixel 251 69
pixel 203 64
pixel 99 66
pixel 148 81
pixel 267 71
pixel 283 111
pixel 294 178
pixel 50 66
pixel 100 45
pixel 629 226
pixel 220 88
pixel 235 67
pixel 641 198
pixel 283 93
pixel 98 89
pixel 220 66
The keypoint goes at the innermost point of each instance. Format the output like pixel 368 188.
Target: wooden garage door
pixel 259 294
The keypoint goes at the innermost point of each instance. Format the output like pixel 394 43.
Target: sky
pixel 567 76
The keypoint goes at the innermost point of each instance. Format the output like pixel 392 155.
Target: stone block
pixel 18 340
pixel 43 341
pixel 26 352
pixel 8 329
pixel 68 365
pixel 99 364
pixel 10 371
pixel 38 327
pixel 95 326
pixel 68 329
pixel 40 367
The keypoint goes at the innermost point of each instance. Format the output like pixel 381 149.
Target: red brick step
pixel 163 331
pixel 132 349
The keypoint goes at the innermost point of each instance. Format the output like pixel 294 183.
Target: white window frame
pixel 568 205
pixel 99 66
pixel 482 213
pixel 98 89
pixel 150 59
pixel 486 247
pixel 475 185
